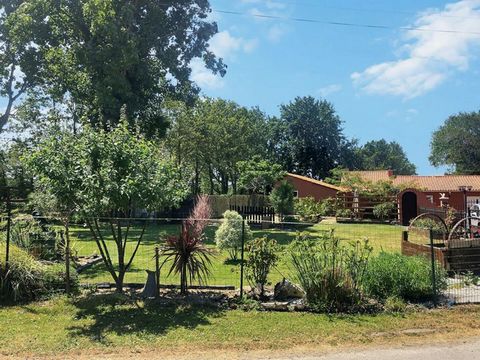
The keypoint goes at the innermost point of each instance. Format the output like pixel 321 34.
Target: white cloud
pixel 204 77
pixel 276 32
pixel 431 55
pixel 329 89
pixel 269 4
pixel 223 45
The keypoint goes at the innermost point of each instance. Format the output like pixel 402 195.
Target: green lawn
pixel 381 237
pixel 107 323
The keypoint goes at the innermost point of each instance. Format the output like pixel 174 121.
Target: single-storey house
pixel 424 193
pixel 308 187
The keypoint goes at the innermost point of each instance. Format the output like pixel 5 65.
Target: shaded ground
pixel 102 325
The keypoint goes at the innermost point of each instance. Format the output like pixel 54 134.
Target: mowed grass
pixel 223 271
pixel 114 324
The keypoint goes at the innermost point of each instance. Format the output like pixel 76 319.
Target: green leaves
pixel 101 172
pixel 456 144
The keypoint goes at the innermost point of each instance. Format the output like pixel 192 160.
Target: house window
pixel 295 193
pixel 430 199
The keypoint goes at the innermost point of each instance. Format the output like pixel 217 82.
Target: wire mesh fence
pixel 44 238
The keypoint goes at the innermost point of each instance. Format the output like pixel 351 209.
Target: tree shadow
pixel 235 262
pixel 121 315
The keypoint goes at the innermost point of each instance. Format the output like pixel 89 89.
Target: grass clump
pixel 329 273
pixel 404 277
pixel 29 279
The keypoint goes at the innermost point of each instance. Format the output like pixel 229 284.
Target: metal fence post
pixel 157 271
pixel 241 259
pixel 67 257
pixel 9 226
pixel 432 254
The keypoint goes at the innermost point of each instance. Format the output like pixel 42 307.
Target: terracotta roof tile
pixel 440 183
pixel 432 183
pixel 317 182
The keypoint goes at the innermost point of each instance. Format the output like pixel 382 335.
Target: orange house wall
pixel 306 188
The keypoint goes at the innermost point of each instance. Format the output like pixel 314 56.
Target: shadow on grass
pixel 234 262
pixel 120 315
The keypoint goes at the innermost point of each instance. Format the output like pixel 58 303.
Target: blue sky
pixel 389 83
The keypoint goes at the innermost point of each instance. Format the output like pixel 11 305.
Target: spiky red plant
pixel 189 255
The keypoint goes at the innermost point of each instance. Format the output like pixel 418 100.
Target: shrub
pixel 327 207
pixel 189 256
pixel 261 258
pixel 39 240
pixel 282 198
pixel 307 208
pixel 384 210
pixel 428 223
pixel 405 277
pixel 343 213
pixel 229 234
pixel 29 279
pixel 329 273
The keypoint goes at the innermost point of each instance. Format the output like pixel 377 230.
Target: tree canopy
pixel 307 138
pixel 383 155
pixel 106 174
pixel 98 56
pixel 209 140
pixel 456 144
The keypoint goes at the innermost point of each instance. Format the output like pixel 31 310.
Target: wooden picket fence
pixel 256 214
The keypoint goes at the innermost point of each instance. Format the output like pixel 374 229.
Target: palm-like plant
pixel 189 255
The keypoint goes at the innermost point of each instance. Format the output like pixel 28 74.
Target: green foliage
pixel 100 55
pixel 328 207
pixel 229 234
pixel 384 210
pixel 29 279
pixel 99 173
pixel 28 234
pixel 261 259
pixel 258 176
pixel 405 277
pixel 457 144
pixel 308 209
pixel 189 256
pixel 330 274
pixel 210 141
pixel 394 304
pixel 428 223
pixel 383 155
pixel 307 138
pixel 282 198
pixel 343 213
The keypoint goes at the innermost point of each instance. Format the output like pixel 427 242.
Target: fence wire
pixel 42 238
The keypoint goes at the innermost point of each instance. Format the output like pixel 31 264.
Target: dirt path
pixel 469 349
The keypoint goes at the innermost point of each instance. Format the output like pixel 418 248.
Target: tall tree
pixel 380 155
pixel 102 55
pixel 103 175
pixel 307 138
pixel 457 144
pixel 212 138
pixel 18 60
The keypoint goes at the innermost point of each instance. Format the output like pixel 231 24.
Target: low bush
pixel 384 210
pixel 428 223
pixel 405 277
pixel 261 258
pixel 343 213
pixel 308 209
pixel 330 273
pixel 29 279
pixel 229 234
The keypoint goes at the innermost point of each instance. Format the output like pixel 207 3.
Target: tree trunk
pixel 119 282
pixel 183 279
